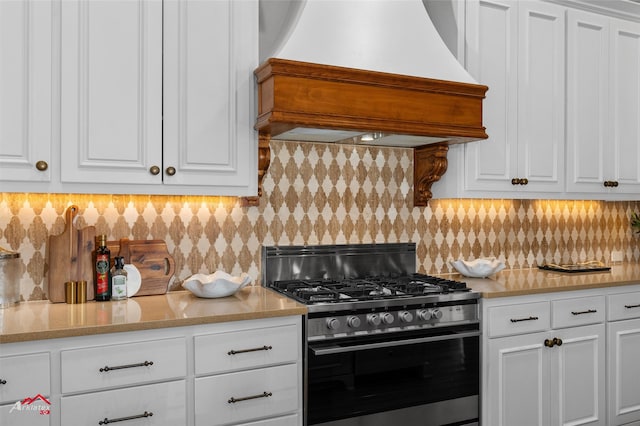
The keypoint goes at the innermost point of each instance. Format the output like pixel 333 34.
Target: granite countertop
pixel 44 320
pixel 519 282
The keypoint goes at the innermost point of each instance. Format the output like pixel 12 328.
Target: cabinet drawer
pixel 239 350
pixel 125 364
pixel 11 417
pixel 577 311
pixel 25 376
pixel 260 393
pixel 519 319
pixel 165 402
pixel 292 420
pixel 623 306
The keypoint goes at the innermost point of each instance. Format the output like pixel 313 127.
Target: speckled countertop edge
pixel 44 320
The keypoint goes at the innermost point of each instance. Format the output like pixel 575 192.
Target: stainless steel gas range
pixel 384 344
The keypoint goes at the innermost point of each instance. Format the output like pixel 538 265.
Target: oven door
pixel 425 377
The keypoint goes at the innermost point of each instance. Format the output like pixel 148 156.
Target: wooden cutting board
pixel 152 259
pixel 69 256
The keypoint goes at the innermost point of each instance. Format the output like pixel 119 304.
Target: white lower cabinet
pixel 623 350
pixel 25 386
pixel 10 416
pixel 553 372
pixel 124 364
pixel 157 404
pixel 249 374
pixel 292 420
pixel 238 397
pixel 159 377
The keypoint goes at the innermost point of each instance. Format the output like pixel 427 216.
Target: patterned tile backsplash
pixel 324 194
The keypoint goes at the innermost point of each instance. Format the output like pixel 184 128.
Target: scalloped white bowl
pixel 218 284
pixel 478 268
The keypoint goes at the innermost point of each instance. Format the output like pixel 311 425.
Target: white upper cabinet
pixel 541 91
pixel 154 97
pixel 517 49
pixel 563 107
pixel 587 100
pixel 492 59
pixel 209 57
pixel 111 91
pixel 26 66
pixel 624 110
pixel 603 106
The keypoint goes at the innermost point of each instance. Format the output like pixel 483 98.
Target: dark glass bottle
pixel 101 282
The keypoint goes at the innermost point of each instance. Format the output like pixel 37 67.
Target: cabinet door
pixel 26 66
pixel 492 60
pixel 623 346
pixel 541 96
pixel 587 101
pixel 111 118
pixel 624 83
pixel 578 376
pixel 210 54
pixel 518 381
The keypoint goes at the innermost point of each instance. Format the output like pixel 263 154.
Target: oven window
pixel 361 382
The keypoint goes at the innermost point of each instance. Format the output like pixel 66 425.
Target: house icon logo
pixel 38 404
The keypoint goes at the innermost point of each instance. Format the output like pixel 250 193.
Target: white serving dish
pixel 478 268
pixel 218 284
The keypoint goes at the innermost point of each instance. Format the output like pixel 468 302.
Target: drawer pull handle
pixel 632 306
pixel 588 311
pixel 233 400
pixel 523 319
pixel 242 351
pixel 3 382
pixel 120 367
pixel 106 421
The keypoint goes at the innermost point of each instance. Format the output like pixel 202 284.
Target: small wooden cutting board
pixel 152 259
pixel 69 256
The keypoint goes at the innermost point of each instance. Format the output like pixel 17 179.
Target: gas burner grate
pixel 310 291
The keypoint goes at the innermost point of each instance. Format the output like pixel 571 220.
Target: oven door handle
pixel 337 349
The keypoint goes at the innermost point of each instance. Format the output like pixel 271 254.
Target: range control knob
pixel 424 315
pixel 436 314
pixel 387 318
pixel 373 319
pixel 333 323
pixel 405 316
pixel 353 321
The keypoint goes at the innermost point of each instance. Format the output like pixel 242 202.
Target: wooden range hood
pixel 303 101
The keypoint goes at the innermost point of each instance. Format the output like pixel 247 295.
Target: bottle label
pixel 102 274
pixel 119 286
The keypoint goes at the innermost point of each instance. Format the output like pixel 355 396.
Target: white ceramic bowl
pixel 479 268
pixel 218 284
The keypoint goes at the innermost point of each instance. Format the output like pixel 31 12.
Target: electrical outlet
pixel 616 256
